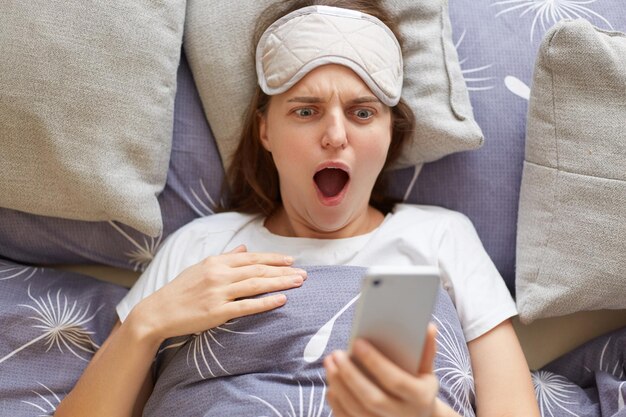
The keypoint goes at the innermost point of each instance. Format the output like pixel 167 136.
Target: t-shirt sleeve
pixel 476 287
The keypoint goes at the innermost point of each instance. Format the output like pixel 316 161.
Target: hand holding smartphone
pixel 394 310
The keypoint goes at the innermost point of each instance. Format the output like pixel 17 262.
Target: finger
pixel 391 378
pixel 344 398
pixel 430 350
pixel 238 249
pixel 256 286
pixel 240 308
pixel 338 410
pixel 250 258
pixel 373 397
pixel 259 271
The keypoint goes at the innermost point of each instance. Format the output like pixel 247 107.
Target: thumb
pixel 430 349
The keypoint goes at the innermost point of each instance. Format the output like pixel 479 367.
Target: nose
pixel 335 134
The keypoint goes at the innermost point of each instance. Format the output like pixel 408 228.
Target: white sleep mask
pixel 313 36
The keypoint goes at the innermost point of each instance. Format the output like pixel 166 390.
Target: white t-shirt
pixel 410 235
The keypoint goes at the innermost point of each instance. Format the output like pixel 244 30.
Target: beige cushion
pixel 571 253
pixel 218 46
pixel 86 107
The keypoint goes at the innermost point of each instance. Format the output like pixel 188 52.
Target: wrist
pixel 143 327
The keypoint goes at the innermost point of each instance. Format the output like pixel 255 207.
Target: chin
pixel 331 219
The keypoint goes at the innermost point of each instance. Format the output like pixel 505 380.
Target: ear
pixel 262 119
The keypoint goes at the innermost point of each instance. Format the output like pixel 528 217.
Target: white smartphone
pixel 394 309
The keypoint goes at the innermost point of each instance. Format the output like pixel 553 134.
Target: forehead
pixel 328 80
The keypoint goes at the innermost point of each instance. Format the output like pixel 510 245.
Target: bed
pixel 546 193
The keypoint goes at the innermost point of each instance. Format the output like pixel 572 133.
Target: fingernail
pixel 281 299
pixel 302 272
pixel 329 364
pixel 288 260
pixel 340 356
pixel 297 280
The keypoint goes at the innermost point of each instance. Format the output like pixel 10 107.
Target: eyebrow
pixel 366 99
pixel 315 100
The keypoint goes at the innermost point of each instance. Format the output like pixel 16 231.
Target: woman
pixel 307 177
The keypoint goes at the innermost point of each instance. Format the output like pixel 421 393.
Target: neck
pixel 281 223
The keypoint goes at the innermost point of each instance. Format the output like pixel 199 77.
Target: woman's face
pixel 329 136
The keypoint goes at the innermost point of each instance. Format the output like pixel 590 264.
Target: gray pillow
pixel 219 50
pixel 52 323
pixel 86 108
pixel 192 190
pixel 572 216
pixel 256 366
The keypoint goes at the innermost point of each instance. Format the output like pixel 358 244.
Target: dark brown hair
pixel 251 184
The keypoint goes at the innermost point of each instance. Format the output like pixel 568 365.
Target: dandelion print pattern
pixel 62 323
pixel 553 392
pixel 617 370
pixel 142 255
pixel 313 408
pixel 204 204
pixel 548 12
pixel 517 87
pixel 473 83
pixel 46 403
pixel 201 351
pixel 10 271
pixel 317 345
pixel 457 372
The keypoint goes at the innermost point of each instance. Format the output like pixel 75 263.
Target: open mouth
pixel 331 181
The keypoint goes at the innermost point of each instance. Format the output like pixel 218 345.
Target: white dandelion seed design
pixel 63 324
pixel 202 204
pixel 10 271
pixel 409 188
pixel 458 370
pixel 142 255
pixel 316 346
pixel 517 87
pixel 552 392
pixel 617 369
pixel 473 82
pixel 202 347
pixel 49 407
pixel 314 407
pixel 548 12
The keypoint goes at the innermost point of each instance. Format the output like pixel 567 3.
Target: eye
pixel 305 112
pixel 363 114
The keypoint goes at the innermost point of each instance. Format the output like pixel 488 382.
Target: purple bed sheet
pixel 53 322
